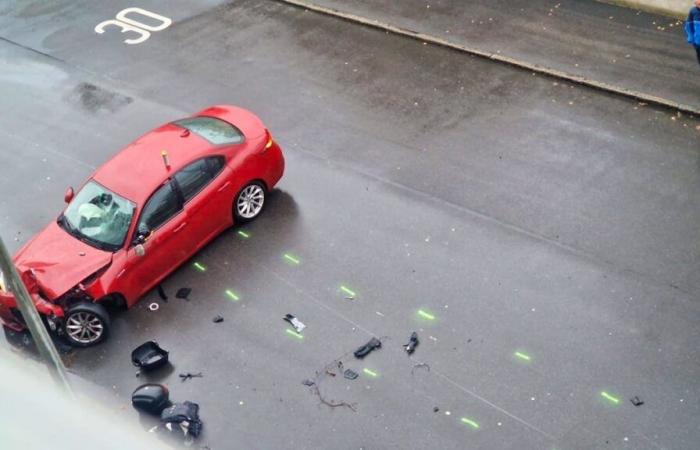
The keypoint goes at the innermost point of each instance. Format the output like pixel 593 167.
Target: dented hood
pixel 59 261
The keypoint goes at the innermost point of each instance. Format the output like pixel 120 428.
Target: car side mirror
pixel 68 196
pixel 142 235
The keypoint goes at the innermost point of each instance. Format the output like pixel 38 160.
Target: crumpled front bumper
pixel 12 318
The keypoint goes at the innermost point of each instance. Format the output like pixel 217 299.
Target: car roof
pixel 137 170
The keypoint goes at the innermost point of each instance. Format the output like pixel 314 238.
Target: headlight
pixel 2 282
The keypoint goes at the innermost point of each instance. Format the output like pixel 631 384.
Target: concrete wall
pixel 673 8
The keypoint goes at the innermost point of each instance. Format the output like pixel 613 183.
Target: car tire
pixel 249 202
pixel 86 324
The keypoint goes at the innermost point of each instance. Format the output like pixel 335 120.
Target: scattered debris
pixel 436 409
pixel 308 382
pixel 296 323
pixel 379 314
pixel 183 293
pixel 636 401
pixel 161 293
pixel 315 383
pixel 350 374
pixel 420 365
pixel 185 415
pixel 366 349
pixel 150 398
pixel 328 372
pixel 154 306
pixel 217 319
pixel 412 343
pixel 189 376
pixel 149 356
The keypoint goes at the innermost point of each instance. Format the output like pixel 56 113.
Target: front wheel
pixel 249 202
pixel 86 324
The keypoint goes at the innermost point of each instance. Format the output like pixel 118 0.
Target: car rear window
pixel 213 130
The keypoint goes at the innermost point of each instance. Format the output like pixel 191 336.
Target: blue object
pixel 692 26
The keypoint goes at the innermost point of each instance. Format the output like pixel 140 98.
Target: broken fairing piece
pixel 183 293
pixel 154 306
pixel 150 398
pixel 217 319
pixel 350 374
pixel 188 376
pixel 636 401
pixel 412 343
pixel 296 323
pixel 186 415
pixel 366 349
pixel 149 356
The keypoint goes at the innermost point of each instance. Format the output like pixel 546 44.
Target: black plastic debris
pixel 350 374
pixel 436 409
pixel 150 398
pixel 189 376
pixel 149 356
pixel 217 319
pixel 161 293
pixel 185 416
pixel 366 349
pixel 183 293
pixel 296 323
pixel 412 343
pixel 636 401
pixel 308 382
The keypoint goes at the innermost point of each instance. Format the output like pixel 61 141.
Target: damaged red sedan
pixel 141 215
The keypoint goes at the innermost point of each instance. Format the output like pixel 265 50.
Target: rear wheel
pixel 86 324
pixel 249 202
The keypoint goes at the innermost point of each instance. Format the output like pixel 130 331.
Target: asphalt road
pixel 523 214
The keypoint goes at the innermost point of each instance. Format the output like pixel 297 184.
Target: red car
pixel 141 215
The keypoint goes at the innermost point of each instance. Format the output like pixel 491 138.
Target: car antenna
pixel 166 160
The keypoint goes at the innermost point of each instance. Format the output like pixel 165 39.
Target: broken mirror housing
pixel 149 356
pixel 151 398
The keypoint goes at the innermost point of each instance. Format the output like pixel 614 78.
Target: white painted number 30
pixel 127 23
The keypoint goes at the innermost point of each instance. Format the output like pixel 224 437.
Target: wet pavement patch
pixel 96 99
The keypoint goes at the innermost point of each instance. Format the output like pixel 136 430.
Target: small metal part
pixel 154 306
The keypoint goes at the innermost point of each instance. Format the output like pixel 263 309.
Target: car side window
pixel 162 205
pixel 195 176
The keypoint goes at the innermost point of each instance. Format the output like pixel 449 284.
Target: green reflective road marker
pixel 294 333
pixel 470 423
pixel 243 234
pixel 291 259
pixel 426 315
pixel 610 397
pixel 232 295
pixel 199 267
pixel 347 291
pixel 523 356
pixel 371 373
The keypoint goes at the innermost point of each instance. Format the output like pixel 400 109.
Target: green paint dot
pixel 199 267
pixel 348 291
pixel 292 259
pixel 610 398
pixel 243 234
pixel 470 423
pixel 232 295
pixel 426 315
pixel 371 373
pixel 523 356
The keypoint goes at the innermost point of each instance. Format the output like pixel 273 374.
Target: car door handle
pixel 224 186
pixel 180 227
